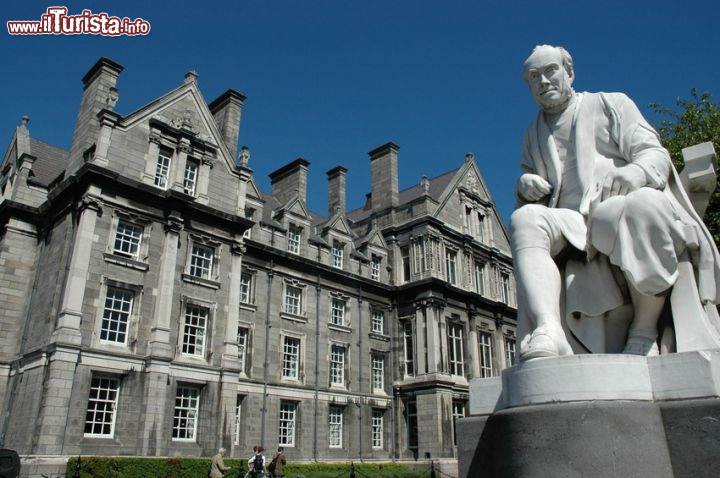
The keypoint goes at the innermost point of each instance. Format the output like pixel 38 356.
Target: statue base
pixel 596 416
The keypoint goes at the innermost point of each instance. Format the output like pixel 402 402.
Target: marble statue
pixel 601 225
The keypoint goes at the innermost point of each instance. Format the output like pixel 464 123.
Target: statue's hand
pixel 533 187
pixel 624 180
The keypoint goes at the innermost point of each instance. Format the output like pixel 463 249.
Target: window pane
pixel 286 433
pixel 201 261
pixel 194 330
pixel 102 406
pixel 127 239
pixel 116 315
pixel 185 413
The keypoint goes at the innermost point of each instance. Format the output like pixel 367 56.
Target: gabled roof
pixel 50 163
pixel 435 188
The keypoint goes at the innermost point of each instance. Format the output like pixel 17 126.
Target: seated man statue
pixel 601 220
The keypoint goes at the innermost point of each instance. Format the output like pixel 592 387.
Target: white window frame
pixel 102 407
pixel 338 311
pixel 409 348
pixel 510 345
pixel 291 357
pixel 458 411
pixel 338 362
pixel 294 302
pixel 378 372
pixel 185 413
pixel 451 266
pixel 377 322
pixel 128 239
pixel 377 429
pixel 287 423
pixel 243 341
pixel 201 262
pixel 238 419
pixel 456 345
pixel 190 176
pixel 504 286
pixel 338 252
pixel 406 263
pixel 246 287
pixel 335 426
pixel 294 236
pixel 375 266
pixel 117 316
pixel 479 278
pixel 195 330
pixel 162 168
pixel 485 352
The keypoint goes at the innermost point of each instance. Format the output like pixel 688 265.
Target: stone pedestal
pixel 596 416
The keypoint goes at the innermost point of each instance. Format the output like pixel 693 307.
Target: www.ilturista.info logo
pixel 57 22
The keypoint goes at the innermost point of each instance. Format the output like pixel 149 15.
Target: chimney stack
pixel 227 110
pixel 290 181
pixel 384 176
pixel 99 94
pixel 336 190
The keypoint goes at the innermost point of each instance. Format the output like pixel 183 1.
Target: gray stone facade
pixel 154 302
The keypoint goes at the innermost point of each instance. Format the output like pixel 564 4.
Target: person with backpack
pixel 277 464
pixel 256 463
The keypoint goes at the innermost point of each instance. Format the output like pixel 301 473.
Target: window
pixel 405 254
pixel 286 433
pixel 242 343
pixel 450 260
pixel 195 330
pixel 246 288
pixel 337 311
pixel 480 231
pixel 504 287
pixel 249 214
pixel 238 421
pixel 190 176
pixel 102 407
pixel 337 365
pixel 116 315
pixel 293 238
pixel 377 322
pixel 378 373
pixel 162 168
pixel 455 349
pixel 127 239
pixel 412 425
pixel 458 411
pixel 408 343
pixel 375 264
pixel 479 278
pixel 377 429
pixel 335 427
pixel 486 354
pixel 291 358
pixel 337 254
pixel 185 414
pixel 293 300
pixel 201 261
pixel 509 351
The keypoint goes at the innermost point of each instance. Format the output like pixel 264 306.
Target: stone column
pixel 230 359
pixel 153 433
pixel 55 403
pixel 434 347
pixel 177 170
pixel 160 331
pixel 108 120
pixel 152 155
pixel 420 339
pixel 67 328
pixel 473 349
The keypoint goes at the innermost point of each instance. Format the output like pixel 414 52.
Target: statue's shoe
pixel 638 345
pixel 544 343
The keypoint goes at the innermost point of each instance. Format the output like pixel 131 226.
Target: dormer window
pixel 293 238
pixel 375 267
pixel 337 254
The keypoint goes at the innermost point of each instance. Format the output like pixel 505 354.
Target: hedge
pixel 176 467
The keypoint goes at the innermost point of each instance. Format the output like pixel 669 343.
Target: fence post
pixel 432 469
pixel 76 474
pixel 352 470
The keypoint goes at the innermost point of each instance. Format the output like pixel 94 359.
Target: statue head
pixel 550 74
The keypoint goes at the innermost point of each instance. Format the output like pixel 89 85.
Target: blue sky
pixel 330 80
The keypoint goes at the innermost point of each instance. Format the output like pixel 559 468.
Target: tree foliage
pixel 696 120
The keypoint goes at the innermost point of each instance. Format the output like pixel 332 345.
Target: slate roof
pixel 50 163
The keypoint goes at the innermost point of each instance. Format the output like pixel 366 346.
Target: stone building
pixel 153 301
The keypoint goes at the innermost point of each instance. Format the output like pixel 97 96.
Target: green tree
pixel 696 121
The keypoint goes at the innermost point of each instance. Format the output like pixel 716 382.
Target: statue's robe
pixel 610 132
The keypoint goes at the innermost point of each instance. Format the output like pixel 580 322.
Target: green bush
pixel 174 467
